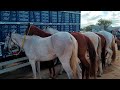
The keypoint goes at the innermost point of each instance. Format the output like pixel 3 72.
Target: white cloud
pixel 91 17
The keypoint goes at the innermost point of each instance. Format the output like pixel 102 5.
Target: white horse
pixel 51 30
pixel 61 45
pixel 110 46
pixel 96 40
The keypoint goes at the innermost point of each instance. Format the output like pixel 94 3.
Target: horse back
pixel 82 44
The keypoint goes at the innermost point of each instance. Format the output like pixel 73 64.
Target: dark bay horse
pixel 110 46
pixel 103 47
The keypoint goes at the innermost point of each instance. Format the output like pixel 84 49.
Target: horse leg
pixel 32 62
pixel 51 65
pixel 38 68
pixel 68 70
pixel 83 70
pixel 109 59
pixel 79 71
pixel 100 69
pixel 66 66
pixel 50 71
pixel 61 70
pixel 54 72
pixel 52 68
pixel 85 65
pixel 99 65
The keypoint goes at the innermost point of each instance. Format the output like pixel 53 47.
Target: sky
pixel 91 17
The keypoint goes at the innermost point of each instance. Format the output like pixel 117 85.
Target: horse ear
pixel 9 34
pixel 48 27
pixel 28 26
pixel 13 32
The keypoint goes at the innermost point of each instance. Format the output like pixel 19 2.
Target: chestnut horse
pixel 85 46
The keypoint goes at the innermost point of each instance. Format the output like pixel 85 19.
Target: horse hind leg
pixel 109 59
pixel 38 69
pixel 32 62
pixel 51 68
pixel 100 70
pixel 61 70
pixel 66 66
pixel 88 69
pixel 79 71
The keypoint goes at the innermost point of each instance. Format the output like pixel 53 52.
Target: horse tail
pixel 102 47
pixel 92 56
pixel 103 53
pixel 113 49
pixel 74 59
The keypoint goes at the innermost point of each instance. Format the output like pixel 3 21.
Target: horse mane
pixel 34 30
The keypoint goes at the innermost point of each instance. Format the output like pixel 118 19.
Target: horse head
pixel 10 43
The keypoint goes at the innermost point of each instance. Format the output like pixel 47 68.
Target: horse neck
pixel 52 31
pixel 36 31
pixel 19 39
pixel 43 34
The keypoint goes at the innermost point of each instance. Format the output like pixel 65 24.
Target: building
pixel 18 20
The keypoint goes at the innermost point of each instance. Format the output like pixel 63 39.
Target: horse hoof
pixel 49 78
pixel 99 75
pixel 60 73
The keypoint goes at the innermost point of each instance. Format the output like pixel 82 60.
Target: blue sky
pixel 91 17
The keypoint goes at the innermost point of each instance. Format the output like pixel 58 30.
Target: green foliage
pixel 105 23
pixel 88 28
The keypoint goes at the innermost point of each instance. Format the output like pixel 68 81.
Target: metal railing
pixel 36 23
pixel 14 67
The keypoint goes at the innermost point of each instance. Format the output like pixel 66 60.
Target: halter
pixel 15 44
pixel 23 41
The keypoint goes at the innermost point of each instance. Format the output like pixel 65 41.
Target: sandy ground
pixel 111 72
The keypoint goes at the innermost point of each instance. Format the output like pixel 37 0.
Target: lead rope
pixel 23 41
pixel 25 37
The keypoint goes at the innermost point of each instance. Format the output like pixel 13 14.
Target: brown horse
pixel 103 47
pixel 84 45
pixel 33 30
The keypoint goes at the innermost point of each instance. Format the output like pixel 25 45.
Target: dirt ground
pixel 111 72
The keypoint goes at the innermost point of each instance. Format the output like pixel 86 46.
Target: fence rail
pixel 9 69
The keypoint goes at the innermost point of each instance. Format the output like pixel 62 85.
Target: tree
pixel 105 23
pixel 88 28
pixel 81 29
